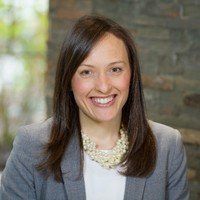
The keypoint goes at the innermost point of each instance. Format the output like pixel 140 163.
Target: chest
pixel 129 189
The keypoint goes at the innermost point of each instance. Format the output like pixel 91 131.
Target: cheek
pixel 124 83
pixel 80 87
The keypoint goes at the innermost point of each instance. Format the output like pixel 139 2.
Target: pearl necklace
pixel 109 159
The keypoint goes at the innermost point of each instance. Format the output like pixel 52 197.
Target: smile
pixel 103 101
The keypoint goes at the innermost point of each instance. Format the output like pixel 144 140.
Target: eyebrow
pixel 116 62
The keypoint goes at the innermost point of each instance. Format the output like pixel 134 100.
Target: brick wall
pixel 167 34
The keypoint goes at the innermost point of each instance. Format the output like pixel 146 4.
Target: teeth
pixel 103 100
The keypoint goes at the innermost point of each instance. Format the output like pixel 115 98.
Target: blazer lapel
pixel 134 188
pixel 70 168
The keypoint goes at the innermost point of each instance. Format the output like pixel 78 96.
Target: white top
pixel 101 183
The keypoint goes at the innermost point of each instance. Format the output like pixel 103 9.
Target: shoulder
pixel 170 149
pixel 18 176
pixel 166 137
pixel 31 138
pixel 171 163
pixel 36 132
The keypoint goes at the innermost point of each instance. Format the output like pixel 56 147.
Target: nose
pixel 103 84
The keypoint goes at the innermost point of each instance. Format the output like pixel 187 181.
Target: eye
pixel 116 69
pixel 85 73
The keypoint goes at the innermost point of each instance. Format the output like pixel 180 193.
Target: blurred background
pixel 23 36
pixel 167 35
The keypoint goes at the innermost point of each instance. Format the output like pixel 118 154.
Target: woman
pixel 98 143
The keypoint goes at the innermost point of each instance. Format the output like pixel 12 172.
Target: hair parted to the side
pixel 140 160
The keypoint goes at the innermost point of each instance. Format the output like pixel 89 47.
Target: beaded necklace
pixel 108 160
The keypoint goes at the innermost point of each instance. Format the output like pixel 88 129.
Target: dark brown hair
pixel 140 160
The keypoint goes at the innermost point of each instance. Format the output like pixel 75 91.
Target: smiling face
pixel 101 83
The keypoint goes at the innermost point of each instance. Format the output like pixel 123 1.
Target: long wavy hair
pixel 140 159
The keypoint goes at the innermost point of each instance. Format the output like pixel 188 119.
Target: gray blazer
pixel 20 180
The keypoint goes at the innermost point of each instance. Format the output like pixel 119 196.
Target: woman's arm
pixel 177 187
pixel 17 178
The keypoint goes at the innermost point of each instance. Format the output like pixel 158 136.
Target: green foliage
pixel 7 141
pixel 23 36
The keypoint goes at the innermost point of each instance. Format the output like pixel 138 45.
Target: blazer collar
pixel 75 186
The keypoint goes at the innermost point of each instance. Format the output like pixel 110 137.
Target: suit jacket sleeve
pixel 177 186
pixel 17 178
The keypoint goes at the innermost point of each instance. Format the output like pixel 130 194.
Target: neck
pixel 104 134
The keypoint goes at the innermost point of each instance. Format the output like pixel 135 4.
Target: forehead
pixel 108 49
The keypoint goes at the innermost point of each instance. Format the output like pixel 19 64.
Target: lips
pixel 103 101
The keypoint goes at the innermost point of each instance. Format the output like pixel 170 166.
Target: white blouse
pixel 101 183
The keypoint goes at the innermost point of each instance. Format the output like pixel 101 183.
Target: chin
pixel 106 118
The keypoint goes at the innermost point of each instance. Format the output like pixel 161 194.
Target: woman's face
pixel 101 83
